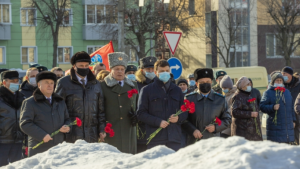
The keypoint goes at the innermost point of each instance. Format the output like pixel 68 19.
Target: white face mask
pixel 32 81
pixel 278 85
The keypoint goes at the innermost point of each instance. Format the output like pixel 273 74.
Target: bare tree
pixel 52 15
pixel 284 16
pixel 144 24
pixel 228 29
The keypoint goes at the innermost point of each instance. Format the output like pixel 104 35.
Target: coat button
pixel 121 118
pixel 120 106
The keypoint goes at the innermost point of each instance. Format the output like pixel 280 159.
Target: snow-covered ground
pixel 215 153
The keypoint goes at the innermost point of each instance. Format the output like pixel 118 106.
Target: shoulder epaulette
pixel 190 94
pixel 218 94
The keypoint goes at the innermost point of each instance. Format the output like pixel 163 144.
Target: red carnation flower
pixel 192 107
pixel 26 151
pixel 218 121
pixel 186 102
pixel 277 88
pixel 183 108
pixel 111 133
pixel 107 129
pixel 78 122
pixel 132 92
pixel 109 125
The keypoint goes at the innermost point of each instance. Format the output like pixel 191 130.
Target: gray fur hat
pixel 117 59
pixel 276 76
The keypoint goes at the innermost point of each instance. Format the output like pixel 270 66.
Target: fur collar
pixel 110 81
pixel 39 97
pixel 141 78
pixel 9 98
pixel 90 76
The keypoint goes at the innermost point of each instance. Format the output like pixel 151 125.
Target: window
pixel 131 52
pixel 28 54
pixel 64 54
pixel 92 49
pixel 274 49
pixel 192 7
pixel 28 17
pixel 67 19
pixel 100 14
pixel 2 55
pixel 5 13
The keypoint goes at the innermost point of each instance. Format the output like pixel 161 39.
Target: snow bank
pixel 215 153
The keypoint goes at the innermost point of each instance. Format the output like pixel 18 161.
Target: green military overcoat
pixel 117 106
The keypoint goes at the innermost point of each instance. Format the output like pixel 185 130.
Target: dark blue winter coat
pixel 283 132
pixel 155 105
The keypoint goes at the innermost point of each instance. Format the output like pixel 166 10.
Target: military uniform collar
pixel 210 95
pixel 110 81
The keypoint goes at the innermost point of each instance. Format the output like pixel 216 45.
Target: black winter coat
pixel 39 118
pixel 27 89
pixel 10 105
pixel 155 105
pixel 256 94
pixel 84 102
pixel 206 110
pixel 294 88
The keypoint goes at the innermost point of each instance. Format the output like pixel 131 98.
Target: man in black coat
pixel 292 83
pixel 158 102
pixel 144 77
pixel 11 136
pixel 84 98
pixel 208 106
pixel 44 113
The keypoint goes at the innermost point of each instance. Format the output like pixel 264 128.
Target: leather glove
pixel 133 118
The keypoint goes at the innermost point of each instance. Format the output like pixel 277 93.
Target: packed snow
pixel 214 153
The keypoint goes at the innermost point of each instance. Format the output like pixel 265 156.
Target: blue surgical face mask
pixel 285 78
pixel 14 87
pixel 131 77
pixel 164 76
pixel 185 91
pixel 248 89
pixel 32 81
pixel 150 75
pixel 225 90
pixel 192 83
pixel 278 85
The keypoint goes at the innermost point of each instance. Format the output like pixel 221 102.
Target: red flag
pixel 101 55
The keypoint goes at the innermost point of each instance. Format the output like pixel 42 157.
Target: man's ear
pixel 4 82
pixel 26 77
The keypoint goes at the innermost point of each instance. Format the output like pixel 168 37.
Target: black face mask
pixel 205 87
pixel 83 71
pixel 58 78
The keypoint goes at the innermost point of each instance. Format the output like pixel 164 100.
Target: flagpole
pixel 121 46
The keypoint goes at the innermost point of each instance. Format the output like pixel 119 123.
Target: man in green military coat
pixel 119 108
pixel 219 77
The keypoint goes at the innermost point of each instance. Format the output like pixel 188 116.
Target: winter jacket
pixel 10 105
pixel 228 98
pixel 297 105
pixel 206 110
pixel 283 132
pixel 84 102
pixel 217 88
pixel 156 104
pixel 243 124
pixel 39 118
pixel 27 89
pixel 192 88
pixel 142 81
pixel 294 88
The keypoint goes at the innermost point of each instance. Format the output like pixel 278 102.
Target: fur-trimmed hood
pixel 39 97
pixel 110 81
pixel 140 77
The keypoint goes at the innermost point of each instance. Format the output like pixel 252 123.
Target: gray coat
pixel 206 109
pixel 84 102
pixel 39 118
pixel 9 116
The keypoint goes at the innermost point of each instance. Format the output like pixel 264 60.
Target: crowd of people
pixel 47 101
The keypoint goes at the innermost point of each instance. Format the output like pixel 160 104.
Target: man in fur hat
pixel 84 98
pixel 208 105
pixel 44 113
pixel 119 108
pixel 144 76
pixel 11 136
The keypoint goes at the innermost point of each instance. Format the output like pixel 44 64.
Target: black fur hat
pixel 46 75
pixel 203 73
pixel 9 74
pixel 80 57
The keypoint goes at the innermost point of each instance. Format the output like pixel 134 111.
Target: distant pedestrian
pixel 58 71
pixel 98 67
pixel 192 82
pixel 219 76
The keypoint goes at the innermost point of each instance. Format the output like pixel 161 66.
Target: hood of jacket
pixel 39 97
pixel 110 81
